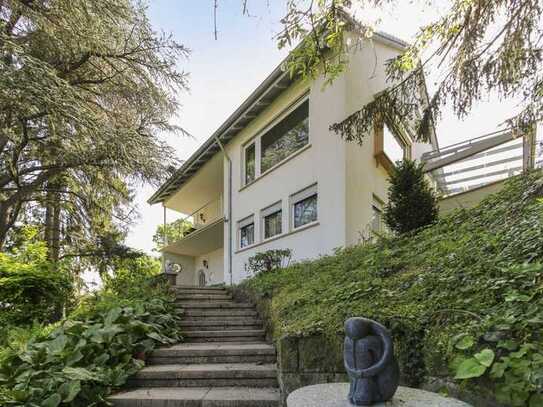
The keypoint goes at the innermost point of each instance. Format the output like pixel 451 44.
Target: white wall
pixel 322 162
pixel 187 274
pixel 215 271
pixel 346 174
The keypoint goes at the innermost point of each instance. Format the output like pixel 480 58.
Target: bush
pixel 78 361
pixel 411 202
pixel 463 297
pixel 32 289
pixel 269 260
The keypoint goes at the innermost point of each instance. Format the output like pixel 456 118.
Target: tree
pixel 171 232
pixel 85 89
pixel 476 47
pixel 411 201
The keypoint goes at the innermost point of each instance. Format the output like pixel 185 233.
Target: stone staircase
pixel 223 362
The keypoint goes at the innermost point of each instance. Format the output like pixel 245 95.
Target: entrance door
pixel 201 278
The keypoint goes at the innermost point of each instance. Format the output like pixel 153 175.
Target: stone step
pixel 217 312
pixel 201 375
pixel 236 335
pixel 203 297
pixel 220 352
pixel 222 327
pixel 214 321
pixel 194 288
pixel 213 304
pixel 198 397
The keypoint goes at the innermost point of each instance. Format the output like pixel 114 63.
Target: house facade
pixel 274 176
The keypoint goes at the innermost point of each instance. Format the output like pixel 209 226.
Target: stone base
pixel 335 395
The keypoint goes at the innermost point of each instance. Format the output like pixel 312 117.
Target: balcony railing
pixel 481 161
pixel 207 214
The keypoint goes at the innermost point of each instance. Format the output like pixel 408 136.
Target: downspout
pixel 229 219
pixel 165 239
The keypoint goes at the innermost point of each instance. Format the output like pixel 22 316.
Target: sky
pixel 224 71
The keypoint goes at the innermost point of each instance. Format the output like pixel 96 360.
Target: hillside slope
pixel 463 298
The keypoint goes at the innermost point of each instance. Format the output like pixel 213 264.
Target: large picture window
pixel 275 145
pixel 288 136
pixel 246 232
pixel 393 147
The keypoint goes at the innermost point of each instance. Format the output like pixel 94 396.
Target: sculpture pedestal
pixel 335 395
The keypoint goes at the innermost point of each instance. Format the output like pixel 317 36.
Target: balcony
pixel 483 161
pixel 206 232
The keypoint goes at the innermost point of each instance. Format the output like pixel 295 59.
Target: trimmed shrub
pixel 269 260
pixel 411 202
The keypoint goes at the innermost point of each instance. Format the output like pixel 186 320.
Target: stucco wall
pixel 364 178
pixel 215 271
pixel 322 161
pixel 468 199
pixel 186 276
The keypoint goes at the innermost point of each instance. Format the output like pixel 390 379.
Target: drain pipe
pixel 229 219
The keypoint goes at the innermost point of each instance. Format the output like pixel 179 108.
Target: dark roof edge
pixel 277 73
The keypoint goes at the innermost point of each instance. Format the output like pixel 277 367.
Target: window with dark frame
pixel 247 235
pixel 250 163
pixel 273 224
pixel 305 211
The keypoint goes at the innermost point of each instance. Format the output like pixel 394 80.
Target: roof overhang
pixel 260 99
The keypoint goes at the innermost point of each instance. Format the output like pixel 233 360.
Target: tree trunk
pixel 52 220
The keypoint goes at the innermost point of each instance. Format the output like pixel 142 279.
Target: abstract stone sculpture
pixel 368 356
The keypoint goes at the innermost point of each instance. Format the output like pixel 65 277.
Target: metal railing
pixel 483 160
pixel 205 215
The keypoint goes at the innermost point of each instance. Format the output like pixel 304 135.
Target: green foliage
pixel 463 297
pixel 411 202
pixel 32 289
pixel 472 52
pixel 86 87
pixel 270 260
pixel 129 276
pixel 171 233
pixel 79 361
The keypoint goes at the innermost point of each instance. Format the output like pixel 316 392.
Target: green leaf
pixel 157 337
pixel 52 401
pixel 70 390
pixel 465 342
pixel 79 373
pixel 469 369
pixel 485 357
pixel 57 345
pixel 112 316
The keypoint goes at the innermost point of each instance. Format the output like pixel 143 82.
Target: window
pixel 392 146
pixel 272 220
pixel 272 224
pixel 377 220
pixel 304 207
pixel 286 137
pixel 305 211
pixel 246 232
pixel 250 163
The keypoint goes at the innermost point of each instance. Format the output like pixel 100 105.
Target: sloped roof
pixel 257 101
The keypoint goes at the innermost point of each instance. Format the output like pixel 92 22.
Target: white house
pixel 274 176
